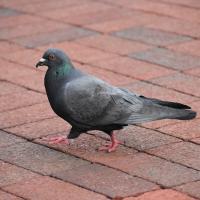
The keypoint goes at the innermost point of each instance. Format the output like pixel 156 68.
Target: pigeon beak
pixel 41 62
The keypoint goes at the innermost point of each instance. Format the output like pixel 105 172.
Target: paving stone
pixel 186 130
pixel 191 47
pixel 106 181
pixel 108 76
pixel 185 153
pixel 9 139
pixel 143 139
pixel 5 12
pixel 113 44
pixel 191 189
pixel 18 100
pixel 162 195
pixel 39 158
pixel 9 47
pixel 26 115
pixel 53 37
pixel 44 26
pixel 164 57
pixel 133 68
pixel 80 53
pixel 6 196
pixel 155 169
pixel 180 82
pixel 151 36
pixel 28 57
pixel 18 20
pixel 176 26
pixel 163 93
pixel 46 188
pixel 194 71
pixel 40 128
pixel 7 88
pixel 11 174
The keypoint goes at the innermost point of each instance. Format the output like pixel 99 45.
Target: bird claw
pixel 56 140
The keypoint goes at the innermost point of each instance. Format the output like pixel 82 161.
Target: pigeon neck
pixel 61 71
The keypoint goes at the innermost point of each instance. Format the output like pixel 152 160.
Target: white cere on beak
pixel 42 59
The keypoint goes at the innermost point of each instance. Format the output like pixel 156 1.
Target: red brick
pixel 25 115
pixel 191 189
pixel 97 17
pixel 31 29
pixel 108 76
pixel 18 20
pixel 27 57
pixel 38 158
pixel 185 153
pixel 105 180
pixel 8 47
pixel 133 68
pixel 176 26
pixel 17 100
pixel 113 44
pixel 162 195
pixel 172 10
pixel 185 130
pixel 47 188
pixel 194 71
pixel 191 47
pixel 187 3
pixel 155 169
pixel 163 93
pixel 196 140
pixel 7 88
pixel 85 7
pixel 136 19
pixel 11 174
pixel 6 196
pixel 81 53
pixel 180 82
pixel 13 3
pixel 40 128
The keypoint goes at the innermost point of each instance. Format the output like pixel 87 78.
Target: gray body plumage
pixel 89 103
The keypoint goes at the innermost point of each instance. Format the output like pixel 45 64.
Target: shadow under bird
pixel 88 103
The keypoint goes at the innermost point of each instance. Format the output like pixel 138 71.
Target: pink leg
pixel 57 140
pixel 111 147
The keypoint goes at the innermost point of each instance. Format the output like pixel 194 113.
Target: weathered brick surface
pixel 133 68
pixel 171 59
pixel 151 36
pixel 5 12
pixel 105 180
pixel 11 174
pixel 40 128
pixel 46 188
pixel 113 44
pixel 180 82
pixel 162 195
pixel 18 100
pixel 39 158
pixel 9 139
pixel 190 188
pixel 25 115
pixel 6 196
pixel 185 153
pixel 53 37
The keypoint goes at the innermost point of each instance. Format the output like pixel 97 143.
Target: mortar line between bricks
pixel 49 175
pixel 1 188
pixel 176 4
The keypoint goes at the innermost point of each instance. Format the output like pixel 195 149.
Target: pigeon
pixel 89 103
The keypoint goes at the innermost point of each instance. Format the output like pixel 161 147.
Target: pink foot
pixel 110 147
pixel 57 140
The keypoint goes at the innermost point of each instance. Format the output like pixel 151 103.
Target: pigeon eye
pixel 52 57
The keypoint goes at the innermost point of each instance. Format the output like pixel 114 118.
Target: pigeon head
pixel 54 58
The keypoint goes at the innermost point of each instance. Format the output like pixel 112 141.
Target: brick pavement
pixel 148 46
